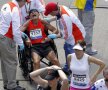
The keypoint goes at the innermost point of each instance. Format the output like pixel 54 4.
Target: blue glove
pixel 21 47
pixel 52 36
pixel 24 36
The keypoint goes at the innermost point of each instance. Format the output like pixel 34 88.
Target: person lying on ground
pixel 54 80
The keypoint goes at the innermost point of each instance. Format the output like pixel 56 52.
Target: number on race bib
pixel 36 34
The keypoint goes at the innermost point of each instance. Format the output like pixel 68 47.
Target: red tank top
pixel 36 32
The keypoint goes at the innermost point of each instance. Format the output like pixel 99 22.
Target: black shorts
pixel 42 49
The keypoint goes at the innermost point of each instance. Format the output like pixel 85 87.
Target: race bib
pixel 35 34
pixel 79 80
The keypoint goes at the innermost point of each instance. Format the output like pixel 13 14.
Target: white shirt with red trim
pixel 34 4
pixel 67 22
pixel 7 16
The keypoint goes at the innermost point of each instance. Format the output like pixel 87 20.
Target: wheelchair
pixel 26 62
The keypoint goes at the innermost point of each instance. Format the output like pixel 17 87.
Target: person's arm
pixel 67 26
pixel 50 27
pixel 69 60
pixel 65 83
pixel 24 26
pixel 54 32
pixel 35 75
pixel 63 77
pixel 101 65
pixel 16 26
pixel 50 19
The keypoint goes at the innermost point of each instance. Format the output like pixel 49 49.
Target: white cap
pixel 78 47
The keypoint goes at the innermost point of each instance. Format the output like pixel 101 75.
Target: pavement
pixel 100 37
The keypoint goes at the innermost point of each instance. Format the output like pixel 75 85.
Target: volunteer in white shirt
pixel 70 27
pixel 10 35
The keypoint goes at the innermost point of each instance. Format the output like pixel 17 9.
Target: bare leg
pixel 52 57
pixel 36 61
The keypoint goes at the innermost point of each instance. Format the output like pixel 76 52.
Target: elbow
pixel 102 65
pixel 31 76
pixel 56 32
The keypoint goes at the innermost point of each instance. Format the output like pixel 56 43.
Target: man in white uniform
pixel 10 34
pixel 70 26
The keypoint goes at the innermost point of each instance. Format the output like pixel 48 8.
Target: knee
pixel 36 62
pixel 55 62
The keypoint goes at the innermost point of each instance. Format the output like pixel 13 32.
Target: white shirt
pixel 100 85
pixel 67 22
pixel 80 72
pixel 7 16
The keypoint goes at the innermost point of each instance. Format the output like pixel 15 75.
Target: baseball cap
pixel 78 47
pixel 50 7
pixel 28 1
pixel 52 74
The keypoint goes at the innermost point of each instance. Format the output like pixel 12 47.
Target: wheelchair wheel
pixel 25 63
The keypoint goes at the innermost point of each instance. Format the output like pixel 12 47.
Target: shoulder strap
pixel 28 9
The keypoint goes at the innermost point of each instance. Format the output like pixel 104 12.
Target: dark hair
pixel 33 10
pixel 52 74
pixel 82 44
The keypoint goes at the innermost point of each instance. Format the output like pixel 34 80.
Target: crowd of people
pixel 20 16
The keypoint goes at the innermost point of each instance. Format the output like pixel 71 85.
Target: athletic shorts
pixel 72 88
pixel 42 49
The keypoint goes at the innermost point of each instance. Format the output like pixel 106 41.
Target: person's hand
pixel 28 42
pixel 21 47
pixel 56 67
pixel 49 68
pixel 52 36
pixel 46 40
pixel 93 80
